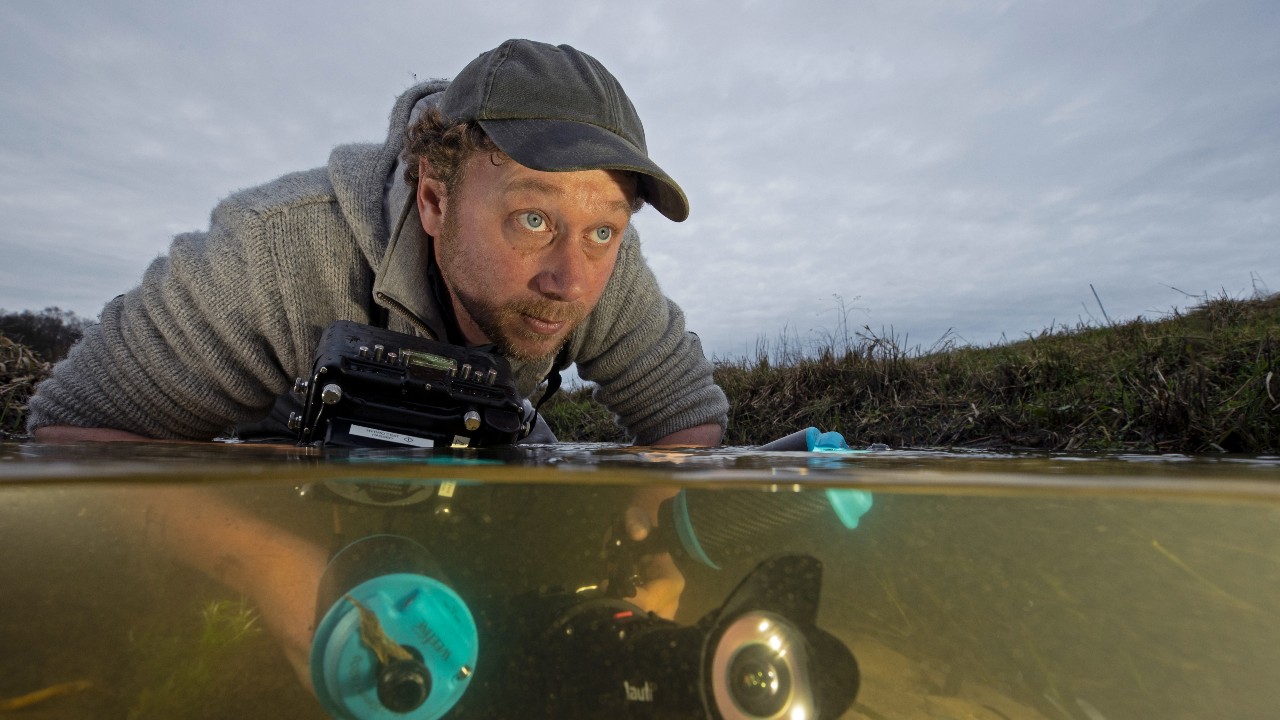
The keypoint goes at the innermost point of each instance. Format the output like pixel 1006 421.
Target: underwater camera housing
pixel 758 656
pixel 372 387
pixel 393 640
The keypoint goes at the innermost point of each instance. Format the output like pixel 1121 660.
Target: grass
pixel 1204 380
pixel 20 370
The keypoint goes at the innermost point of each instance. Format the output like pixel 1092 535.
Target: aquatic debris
pixel 1089 710
pixel 891 592
pixel 39 696
pixel 1051 693
pixel 1213 587
pixel 372 635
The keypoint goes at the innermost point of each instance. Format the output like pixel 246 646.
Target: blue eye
pixel 603 235
pixel 533 221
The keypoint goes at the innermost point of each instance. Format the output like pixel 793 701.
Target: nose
pixel 563 272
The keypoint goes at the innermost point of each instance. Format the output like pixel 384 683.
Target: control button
pixel 331 394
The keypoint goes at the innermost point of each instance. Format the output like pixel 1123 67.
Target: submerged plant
pixel 180 671
pixel 227 622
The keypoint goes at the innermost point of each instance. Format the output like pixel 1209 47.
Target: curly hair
pixel 446 145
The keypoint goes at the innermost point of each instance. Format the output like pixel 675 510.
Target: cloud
pixel 941 166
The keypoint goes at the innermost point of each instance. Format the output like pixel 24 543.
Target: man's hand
pixel 661 582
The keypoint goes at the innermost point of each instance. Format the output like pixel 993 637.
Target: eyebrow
pixel 536 185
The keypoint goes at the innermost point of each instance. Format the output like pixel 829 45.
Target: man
pixel 513 231
pixel 497 213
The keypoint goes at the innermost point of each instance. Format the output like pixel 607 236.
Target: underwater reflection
pixel 971 585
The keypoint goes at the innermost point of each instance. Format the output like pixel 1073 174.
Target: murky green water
pixel 977 586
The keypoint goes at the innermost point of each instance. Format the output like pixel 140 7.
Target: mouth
pixel 542 326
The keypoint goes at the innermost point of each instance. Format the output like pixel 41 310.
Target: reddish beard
pixel 502 323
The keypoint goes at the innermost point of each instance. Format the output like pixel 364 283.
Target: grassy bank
pixel 1207 380
pixel 20 370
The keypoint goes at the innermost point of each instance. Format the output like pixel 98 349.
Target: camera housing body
pixel 759 656
pixel 372 387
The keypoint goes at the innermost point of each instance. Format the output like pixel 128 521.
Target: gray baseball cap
pixel 554 108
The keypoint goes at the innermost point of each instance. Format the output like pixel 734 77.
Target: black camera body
pixel 372 387
pixel 759 656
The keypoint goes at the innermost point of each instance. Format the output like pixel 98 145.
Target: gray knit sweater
pixel 221 326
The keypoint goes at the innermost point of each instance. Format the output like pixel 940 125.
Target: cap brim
pixel 561 145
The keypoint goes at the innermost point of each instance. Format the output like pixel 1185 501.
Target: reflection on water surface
pixel 977 585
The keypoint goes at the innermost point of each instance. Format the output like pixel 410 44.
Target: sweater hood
pixel 361 174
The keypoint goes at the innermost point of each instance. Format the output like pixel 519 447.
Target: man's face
pixel 525 254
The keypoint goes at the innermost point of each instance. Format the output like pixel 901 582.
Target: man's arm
pixel 649 370
pixel 706 435
pixel 279 571
pixel 663 583
pixel 70 433
pixel 219 326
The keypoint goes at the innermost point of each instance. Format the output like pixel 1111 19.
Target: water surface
pixel 978 585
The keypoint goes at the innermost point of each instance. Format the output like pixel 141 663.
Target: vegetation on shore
pixel 20 370
pixel 30 343
pixel 1200 381
pixel 49 333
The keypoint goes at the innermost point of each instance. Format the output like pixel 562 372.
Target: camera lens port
pixel 760 670
pixel 759 681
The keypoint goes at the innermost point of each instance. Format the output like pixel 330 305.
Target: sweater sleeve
pixel 651 372
pixel 204 342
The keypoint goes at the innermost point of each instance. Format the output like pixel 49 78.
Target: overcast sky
pixel 932 167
